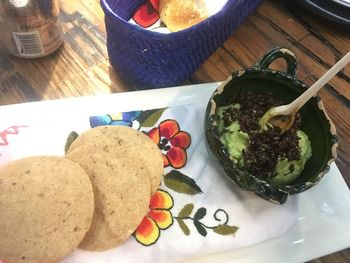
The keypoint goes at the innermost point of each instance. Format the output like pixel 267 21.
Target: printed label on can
pixel 30 28
pixel 28 43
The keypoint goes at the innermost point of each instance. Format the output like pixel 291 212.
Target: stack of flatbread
pixel 93 198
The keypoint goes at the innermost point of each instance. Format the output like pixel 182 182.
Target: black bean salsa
pixel 266 147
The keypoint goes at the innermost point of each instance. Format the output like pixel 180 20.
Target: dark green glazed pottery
pixel 286 87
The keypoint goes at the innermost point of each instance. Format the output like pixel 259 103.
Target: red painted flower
pixel 147 14
pixel 172 141
pixel 158 218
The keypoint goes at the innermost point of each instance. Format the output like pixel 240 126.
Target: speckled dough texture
pixel 121 140
pixel 182 14
pixel 46 208
pixel 122 193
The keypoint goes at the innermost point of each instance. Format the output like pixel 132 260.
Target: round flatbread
pixel 121 140
pixel 182 14
pixel 122 194
pixel 46 208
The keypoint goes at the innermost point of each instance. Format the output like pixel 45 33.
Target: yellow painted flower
pixel 158 218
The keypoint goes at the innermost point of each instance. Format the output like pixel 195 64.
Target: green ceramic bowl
pixel 285 87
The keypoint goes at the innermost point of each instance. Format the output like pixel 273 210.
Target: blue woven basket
pixel 147 59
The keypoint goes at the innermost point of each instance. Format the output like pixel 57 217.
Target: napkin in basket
pixel 147 15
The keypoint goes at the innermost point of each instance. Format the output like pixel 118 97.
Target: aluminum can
pixel 30 28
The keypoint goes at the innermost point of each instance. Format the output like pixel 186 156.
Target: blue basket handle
pixel 276 53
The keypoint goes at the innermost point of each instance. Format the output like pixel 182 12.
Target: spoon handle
pixel 302 99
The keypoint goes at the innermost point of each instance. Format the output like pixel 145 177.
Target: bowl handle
pixel 276 53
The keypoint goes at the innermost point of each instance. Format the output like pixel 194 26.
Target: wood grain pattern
pixel 80 67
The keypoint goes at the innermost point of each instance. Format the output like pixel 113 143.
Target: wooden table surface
pixel 80 67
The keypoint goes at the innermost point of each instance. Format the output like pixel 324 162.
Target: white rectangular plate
pixel 323 224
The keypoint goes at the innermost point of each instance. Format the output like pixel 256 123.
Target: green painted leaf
pixel 70 139
pixel 149 118
pixel 201 212
pixel 225 229
pixel 186 211
pixel 200 228
pixel 183 226
pixel 181 183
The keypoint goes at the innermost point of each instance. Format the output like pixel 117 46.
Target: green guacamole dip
pixel 236 141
